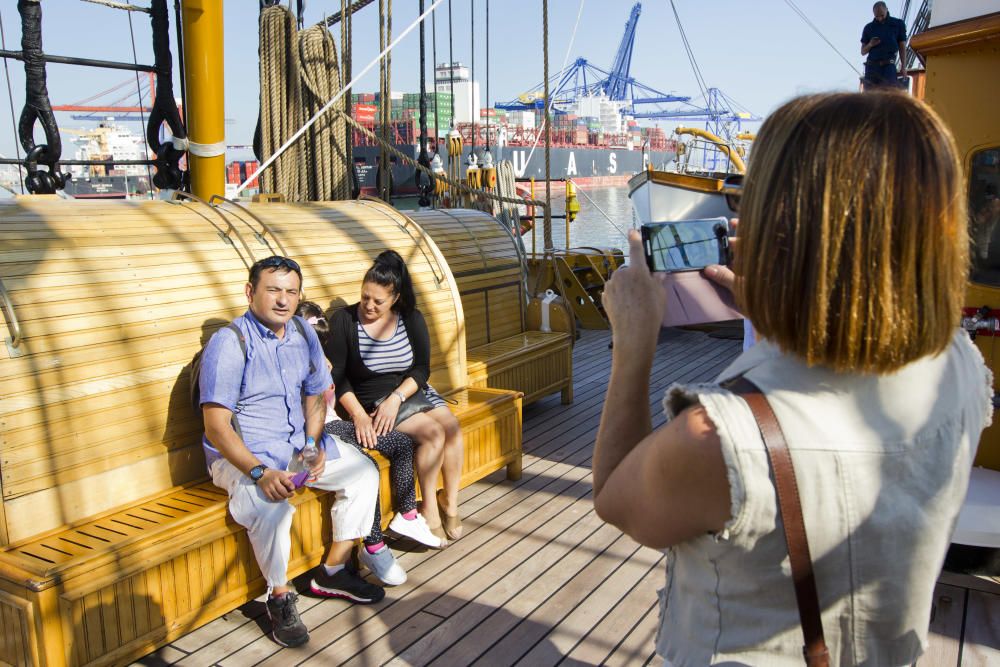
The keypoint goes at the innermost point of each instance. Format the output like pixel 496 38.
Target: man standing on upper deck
pixel 261 393
pixel 881 40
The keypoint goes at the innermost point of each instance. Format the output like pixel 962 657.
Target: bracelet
pixel 399 395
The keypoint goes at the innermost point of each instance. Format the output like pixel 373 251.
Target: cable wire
pixel 142 114
pixel 10 97
pixel 809 23
pixel 119 5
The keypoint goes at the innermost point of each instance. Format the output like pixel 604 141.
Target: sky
pixel 759 52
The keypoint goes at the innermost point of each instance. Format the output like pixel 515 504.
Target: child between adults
pixel 395 446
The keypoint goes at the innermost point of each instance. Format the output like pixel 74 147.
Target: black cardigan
pixel 350 372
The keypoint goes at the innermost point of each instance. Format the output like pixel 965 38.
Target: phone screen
pixel 687 245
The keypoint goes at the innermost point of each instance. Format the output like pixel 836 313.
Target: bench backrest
pixel 113 300
pixel 488 268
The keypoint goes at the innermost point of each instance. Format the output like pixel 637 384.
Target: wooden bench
pixel 488 266
pixel 115 543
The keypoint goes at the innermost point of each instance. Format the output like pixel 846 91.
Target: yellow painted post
pixel 203 76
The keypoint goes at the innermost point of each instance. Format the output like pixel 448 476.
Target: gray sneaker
pixel 286 626
pixel 383 565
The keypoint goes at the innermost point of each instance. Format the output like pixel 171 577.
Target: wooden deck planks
pixel 537 577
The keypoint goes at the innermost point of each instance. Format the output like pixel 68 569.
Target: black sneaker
pixel 286 626
pixel 344 583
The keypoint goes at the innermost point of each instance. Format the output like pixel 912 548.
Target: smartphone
pixel 688 245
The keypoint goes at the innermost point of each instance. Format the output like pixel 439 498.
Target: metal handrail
pixel 368 199
pixel 15 327
pixel 178 195
pixel 260 236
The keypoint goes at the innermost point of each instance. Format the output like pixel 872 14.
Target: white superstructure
pixel 467 102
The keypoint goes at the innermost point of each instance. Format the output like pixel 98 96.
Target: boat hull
pixel 588 166
pixel 660 196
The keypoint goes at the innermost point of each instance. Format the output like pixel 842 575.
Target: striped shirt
pixel 393 355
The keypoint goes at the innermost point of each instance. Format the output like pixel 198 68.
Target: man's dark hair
pixel 275 263
pixel 882 5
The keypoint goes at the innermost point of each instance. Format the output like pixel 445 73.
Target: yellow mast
pixel 723 146
pixel 204 78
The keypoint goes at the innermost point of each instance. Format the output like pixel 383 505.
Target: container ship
pixel 603 147
pixel 596 145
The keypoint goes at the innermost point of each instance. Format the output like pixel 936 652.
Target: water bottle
pixel 309 453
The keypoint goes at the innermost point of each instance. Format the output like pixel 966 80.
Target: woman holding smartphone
pixel 854 285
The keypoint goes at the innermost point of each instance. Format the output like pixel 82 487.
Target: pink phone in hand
pixel 300 478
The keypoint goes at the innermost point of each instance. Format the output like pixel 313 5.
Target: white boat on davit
pixel 688 192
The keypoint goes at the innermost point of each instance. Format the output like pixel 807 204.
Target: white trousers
pixel 353 478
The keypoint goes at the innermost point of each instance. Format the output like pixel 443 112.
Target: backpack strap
pixel 243 346
pixel 790 507
pixel 302 332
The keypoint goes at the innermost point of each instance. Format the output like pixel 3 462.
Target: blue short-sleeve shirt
pixel 265 389
pixel 890 32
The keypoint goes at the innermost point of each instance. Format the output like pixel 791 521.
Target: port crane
pixel 584 79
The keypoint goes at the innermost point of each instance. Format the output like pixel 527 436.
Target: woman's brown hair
pixel 854 241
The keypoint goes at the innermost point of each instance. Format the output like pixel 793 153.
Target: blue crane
pixel 584 79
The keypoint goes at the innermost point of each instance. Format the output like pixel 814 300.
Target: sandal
pixel 452 524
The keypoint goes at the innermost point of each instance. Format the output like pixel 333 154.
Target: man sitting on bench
pixel 261 393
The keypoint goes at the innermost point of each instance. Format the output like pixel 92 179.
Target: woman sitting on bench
pixel 380 350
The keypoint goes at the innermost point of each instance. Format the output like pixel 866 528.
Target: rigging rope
pixel 142 114
pixel 472 76
pixel 346 46
pixel 281 150
pixel 119 5
pixel 690 53
pixel 345 12
pixel 487 76
pixel 809 23
pixel 549 245
pixel 451 65
pixel 455 184
pixel 579 190
pixel 10 98
pixel 562 70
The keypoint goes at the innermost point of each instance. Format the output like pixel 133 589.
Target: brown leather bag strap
pixel 790 506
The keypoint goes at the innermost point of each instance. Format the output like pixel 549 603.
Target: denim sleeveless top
pixel 882 464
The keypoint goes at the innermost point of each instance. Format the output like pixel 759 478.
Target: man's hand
pixel 276 484
pixel 317 468
pixel 873 42
pixel 635 301
pixel 384 417
pixel 364 430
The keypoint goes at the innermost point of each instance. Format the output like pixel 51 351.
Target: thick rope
pixel 280 102
pixel 299 73
pixel 119 5
pixel 549 245
pixel 329 178
pixel 293 139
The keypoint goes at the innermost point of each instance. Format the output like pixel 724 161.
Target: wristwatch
pixel 257 472
pixel 399 395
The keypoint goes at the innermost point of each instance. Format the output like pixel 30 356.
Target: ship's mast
pixel 204 79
